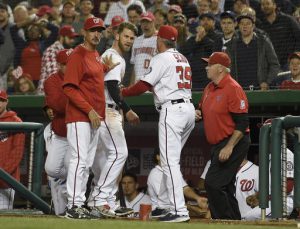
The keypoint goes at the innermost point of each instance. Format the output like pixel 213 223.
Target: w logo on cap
pixel 96 20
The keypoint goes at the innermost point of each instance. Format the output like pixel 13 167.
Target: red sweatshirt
pixel 11 148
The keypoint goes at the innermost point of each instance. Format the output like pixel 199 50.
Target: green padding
pixel 24 192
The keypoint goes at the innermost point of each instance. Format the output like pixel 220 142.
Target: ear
pixel 117 37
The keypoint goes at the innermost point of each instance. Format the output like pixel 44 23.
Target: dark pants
pixel 220 180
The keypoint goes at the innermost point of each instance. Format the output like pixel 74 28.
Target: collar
pixel 222 83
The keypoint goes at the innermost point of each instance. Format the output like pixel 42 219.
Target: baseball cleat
pixel 123 211
pixel 159 212
pixel 77 213
pixel 171 218
pixel 102 211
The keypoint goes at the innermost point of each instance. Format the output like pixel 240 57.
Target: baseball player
pixel 84 88
pixel 144 47
pixel 112 142
pixel 169 77
pixel 11 152
pixel 55 134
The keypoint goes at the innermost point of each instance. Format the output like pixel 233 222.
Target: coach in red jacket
pixel 11 152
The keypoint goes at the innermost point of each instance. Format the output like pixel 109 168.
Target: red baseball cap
pixel 168 32
pixel 63 55
pixel 147 16
pixel 116 21
pixel 44 10
pixel 218 58
pixel 3 95
pixel 67 31
pixel 294 55
pixel 175 8
pixel 93 22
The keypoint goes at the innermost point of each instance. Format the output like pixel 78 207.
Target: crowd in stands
pixel 259 36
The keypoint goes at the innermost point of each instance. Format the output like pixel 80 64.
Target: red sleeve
pixel 54 95
pixel 76 98
pixel 139 88
pixel 74 70
pixel 237 101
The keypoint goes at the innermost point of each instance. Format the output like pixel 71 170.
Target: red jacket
pixel 11 148
pixel 56 100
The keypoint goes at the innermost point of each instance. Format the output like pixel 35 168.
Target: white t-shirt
pixel 141 198
pixel 170 75
pixel 117 73
pixel 143 50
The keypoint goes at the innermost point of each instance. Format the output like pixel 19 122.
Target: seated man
pixel 133 198
pixel 294 67
pixel 160 203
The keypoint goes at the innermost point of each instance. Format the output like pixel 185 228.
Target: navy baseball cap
pixel 208 15
pixel 228 14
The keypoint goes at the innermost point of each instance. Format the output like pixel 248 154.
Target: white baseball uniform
pixel 143 50
pixel 112 149
pixel 7 196
pixel 155 187
pixel 169 74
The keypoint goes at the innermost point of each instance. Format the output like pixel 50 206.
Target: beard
pixel 122 47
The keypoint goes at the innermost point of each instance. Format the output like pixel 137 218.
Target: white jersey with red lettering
pixel 169 74
pixel 143 50
pixel 112 152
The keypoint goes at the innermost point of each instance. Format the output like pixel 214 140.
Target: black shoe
pixel 294 214
pixel 77 213
pixel 171 218
pixel 159 212
pixel 122 211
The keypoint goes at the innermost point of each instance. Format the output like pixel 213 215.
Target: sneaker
pixel 159 212
pixel 77 213
pixel 123 211
pixel 102 211
pixel 171 218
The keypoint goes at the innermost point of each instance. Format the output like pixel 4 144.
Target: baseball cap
pixel 175 8
pixel 218 58
pixel 116 21
pixel 179 17
pixel 168 32
pixel 246 15
pixel 44 10
pixel 208 15
pixel 294 55
pixel 3 6
pixel 228 14
pixel 93 22
pixel 3 95
pixel 147 16
pixel 69 3
pixel 63 55
pixel 67 31
pixel 192 25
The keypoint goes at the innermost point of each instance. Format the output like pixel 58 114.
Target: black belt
pixel 113 106
pixel 176 101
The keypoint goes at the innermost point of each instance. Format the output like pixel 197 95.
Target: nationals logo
pixel 246 185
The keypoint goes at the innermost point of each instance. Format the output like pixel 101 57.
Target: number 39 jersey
pixel 170 75
pixel 246 184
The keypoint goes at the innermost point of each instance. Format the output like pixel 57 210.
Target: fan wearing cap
pixel 180 23
pixel 55 134
pixel 254 61
pixel 68 13
pixel 208 21
pixel 11 153
pixel 144 47
pixel 65 40
pixel 84 87
pixel 86 7
pixel 224 110
pixel 294 67
pixel 169 77
pixel 173 10
pixel 112 149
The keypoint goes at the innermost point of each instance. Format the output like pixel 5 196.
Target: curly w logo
pixel 246 185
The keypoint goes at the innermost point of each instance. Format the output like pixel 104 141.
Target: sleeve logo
pixel 242 105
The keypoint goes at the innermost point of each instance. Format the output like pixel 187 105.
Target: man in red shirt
pixel 224 110
pixel 11 152
pixel 84 87
pixel 294 66
pixel 55 133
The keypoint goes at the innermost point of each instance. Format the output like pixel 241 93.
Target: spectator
pixel 283 30
pixel 174 9
pixel 49 65
pixel 296 14
pixel 180 24
pixel 133 197
pixel 160 18
pixel 120 8
pixel 24 85
pixel 11 153
pixel 68 13
pixel 134 12
pixel 239 5
pixel 159 5
pixel 203 6
pixel 7 49
pixel 294 67
pixel 86 7
pixel 257 50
